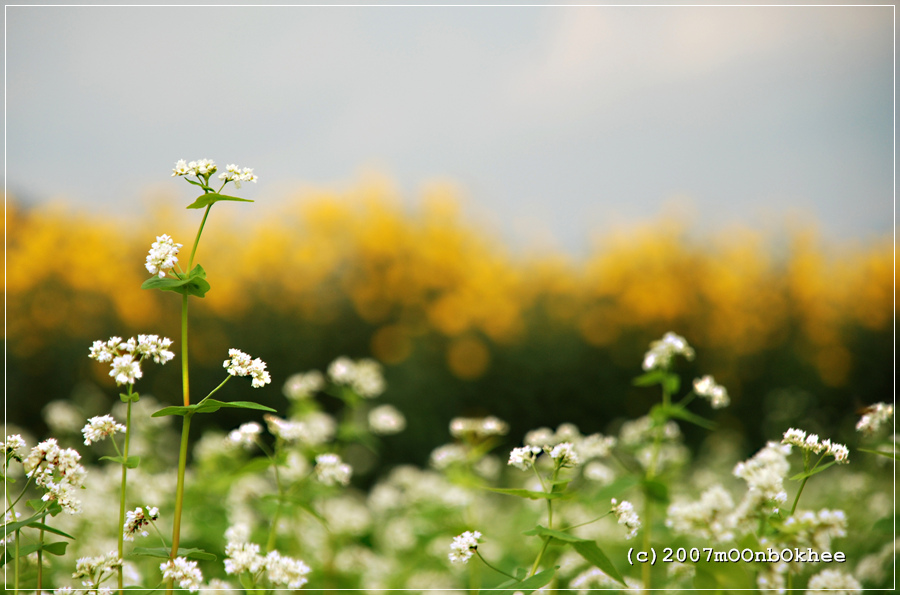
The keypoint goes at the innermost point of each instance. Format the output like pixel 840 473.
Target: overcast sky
pixel 553 121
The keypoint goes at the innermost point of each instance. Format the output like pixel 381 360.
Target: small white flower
pixel 245 435
pixel 301 386
pixel 478 427
pixel 811 443
pixel 624 511
pixel 363 376
pixel 235 174
pixel 125 369
pixel 661 352
pixel 331 470
pixel 243 557
pixel 282 570
pixel 874 417
pixel 523 457
pixel 162 256
pixel 14 446
pixel 463 546
pixel 100 427
pixel 833 581
pixel 184 572
pixel 564 454
pixel 716 393
pixel 386 420
pixel 240 364
pixel 155 347
pixel 137 519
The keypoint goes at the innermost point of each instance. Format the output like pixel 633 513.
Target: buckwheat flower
pixel 301 386
pixel 331 470
pixel 709 518
pixel 540 437
pixel 154 347
pixel 838 451
pixel 99 428
pixel 463 546
pixel 341 370
pixel 125 369
pixel 874 417
pixel 235 174
pixel 595 446
pixel 523 457
pixel 363 376
pixel 564 454
pixel 386 420
pixel 661 352
pixel 105 351
pixel 833 581
pixel 96 568
pixel 765 471
pixel 162 256
pixel 626 515
pixel 243 557
pixel 184 572
pixel 289 572
pixel 181 168
pixel 137 519
pixel 240 364
pixel 14 446
pixel 716 393
pixel 794 436
pixel 245 435
pixel 446 455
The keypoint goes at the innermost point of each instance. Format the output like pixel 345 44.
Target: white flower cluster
pixel 833 581
pixel 463 545
pixel 817 528
pixel 661 352
pixel 163 256
pixel 626 515
pixel 716 393
pixel 331 470
pixel 126 356
pixel 137 519
pixel 243 557
pixel 874 417
pixel 478 427
pixel 58 472
pixel 709 518
pixel 96 569
pixel 182 571
pixel 301 386
pixel 652 443
pixel 235 174
pixel 584 448
pixel 523 457
pixel 363 376
pixel 765 471
pixel 100 427
pixel 245 435
pixel 446 455
pixel 312 429
pixel 282 570
pixel 564 455
pixel 201 167
pixel 386 420
pixel 811 443
pixel 240 364
pixel 14 447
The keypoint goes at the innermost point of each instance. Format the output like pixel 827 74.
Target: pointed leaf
pixel 50 529
pixel 194 284
pixel 211 198
pixel 161 552
pixel 132 462
pixel 805 474
pixel 210 405
pixel 650 378
pixel 656 490
pixel 884 453
pixel 12 527
pixel 591 552
pixel 532 583
pixel 57 548
pixel 531 495
pixel 682 413
pixel 545 532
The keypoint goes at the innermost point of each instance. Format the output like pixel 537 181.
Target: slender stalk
pixel 16 578
pixel 179 490
pixel 121 577
pixel 40 564
pixel 797 498
pixel 197 239
pixel 185 382
pixel 645 567
pixel 540 555
pixel 492 567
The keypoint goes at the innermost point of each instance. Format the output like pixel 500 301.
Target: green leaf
pixel 57 548
pixel 530 584
pixel 616 488
pixel 531 495
pixel 194 284
pixel 210 406
pixel 805 474
pixel 718 576
pixel 884 453
pixel 132 462
pixel 50 529
pixel 656 490
pixel 133 397
pixel 195 183
pixel 884 525
pixel 211 198
pixel 671 383
pixel 682 413
pixel 161 552
pixel 591 552
pixel 545 532
pixel 650 378
pixel 12 527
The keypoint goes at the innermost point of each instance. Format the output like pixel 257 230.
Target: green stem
pixel 185 382
pixel 16 578
pixel 492 567
pixel 797 498
pixel 540 555
pixel 197 239
pixel 213 391
pixel 273 530
pixel 121 529
pixel 645 567
pixel 179 489
pixel 40 563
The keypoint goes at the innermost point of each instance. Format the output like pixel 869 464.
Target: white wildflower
pixel 363 376
pixel 243 557
pixel 478 427
pixel 716 393
pixel 235 174
pixel 125 369
pixel 833 581
pixel 137 519
pixel 301 386
pixel 874 417
pixel 14 447
pixel 564 454
pixel 626 515
pixel 709 518
pixel 240 364
pixel 386 420
pixel 162 256
pixel 331 470
pixel 62 417
pixel 282 570
pixel 765 471
pixel 540 437
pixel 661 352
pixel 245 435
pixel 155 347
pixel 194 168
pixel 463 546
pixel 100 427
pixel 597 471
pixel 446 455
pixel 184 572
pixel 524 457
pixel 95 569
pixel 811 443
